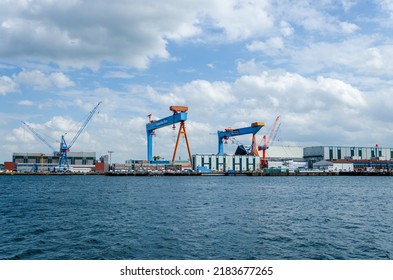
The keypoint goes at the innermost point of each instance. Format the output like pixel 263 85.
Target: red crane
pixel 266 142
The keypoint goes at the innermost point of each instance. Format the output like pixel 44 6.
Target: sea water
pixel 196 217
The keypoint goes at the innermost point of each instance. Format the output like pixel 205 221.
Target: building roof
pixel 281 152
pixel 323 163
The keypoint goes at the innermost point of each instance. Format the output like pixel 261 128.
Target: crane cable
pixel 80 121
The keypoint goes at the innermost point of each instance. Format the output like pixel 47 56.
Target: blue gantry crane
pixel 62 153
pixel 229 132
pixel 179 115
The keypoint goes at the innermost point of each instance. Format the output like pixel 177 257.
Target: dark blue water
pixel 98 217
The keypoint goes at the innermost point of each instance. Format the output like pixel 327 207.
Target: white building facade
pixel 318 153
pixel 226 162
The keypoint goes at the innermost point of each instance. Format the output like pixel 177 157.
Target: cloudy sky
pixel 325 67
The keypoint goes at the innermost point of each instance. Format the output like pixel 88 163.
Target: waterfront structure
pixel 331 153
pixel 284 153
pixel 34 162
pixel 334 166
pixel 224 163
pixel 291 158
pixel 290 164
pixel 285 157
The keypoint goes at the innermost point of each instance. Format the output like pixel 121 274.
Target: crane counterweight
pixel 177 109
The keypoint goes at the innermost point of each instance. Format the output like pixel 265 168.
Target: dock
pixel 147 174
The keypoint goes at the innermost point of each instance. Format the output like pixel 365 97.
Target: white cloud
pixel 163 99
pixel 286 29
pixel 40 81
pixel 364 54
pixel 118 75
pixel 387 5
pixel 314 17
pixel 269 46
pixel 20 135
pixel 35 78
pixel 60 80
pixel 7 85
pixel 207 98
pixel 87 33
pixel 25 102
pixel 248 67
pixel 133 33
pixel 240 19
pixel 349 27
pixel 342 93
pixel 348 4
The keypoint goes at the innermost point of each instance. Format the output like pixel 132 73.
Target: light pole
pixel 110 159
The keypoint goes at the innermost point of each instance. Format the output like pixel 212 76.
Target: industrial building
pixel 224 163
pixel 284 152
pixel 334 166
pixel 319 153
pixel 362 158
pixel 34 162
pixel 60 156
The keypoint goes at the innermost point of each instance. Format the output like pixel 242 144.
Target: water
pixel 98 217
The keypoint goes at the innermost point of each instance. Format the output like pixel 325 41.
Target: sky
pixel 325 67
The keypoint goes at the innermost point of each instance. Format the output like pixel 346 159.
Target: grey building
pixel 32 162
pixel 319 153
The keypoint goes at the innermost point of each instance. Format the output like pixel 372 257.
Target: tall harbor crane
pixel 267 141
pixel 229 132
pixel 62 153
pixel 179 115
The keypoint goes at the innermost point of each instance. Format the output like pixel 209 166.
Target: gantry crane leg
pixel 182 130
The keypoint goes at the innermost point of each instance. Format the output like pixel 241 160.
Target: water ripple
pixel 96 217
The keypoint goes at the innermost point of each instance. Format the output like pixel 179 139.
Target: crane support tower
pixel 229 132
pixel 179 115
pixel 62 153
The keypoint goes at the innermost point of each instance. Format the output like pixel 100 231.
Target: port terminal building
pixel 38 162
pixel 362 158
pixel 319 153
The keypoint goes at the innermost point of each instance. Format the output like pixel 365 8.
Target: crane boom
pixel 39 136
pixel 271 133
pixel 275 133
pixel 84 125
pixel 266 141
